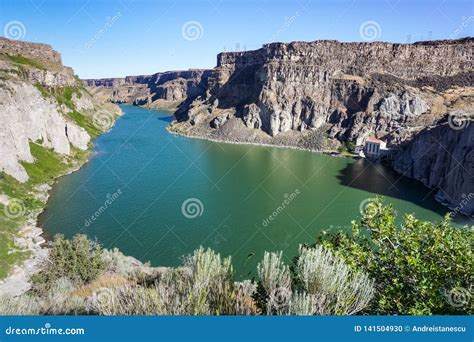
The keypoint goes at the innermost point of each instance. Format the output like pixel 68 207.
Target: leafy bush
pixel 416 266
pixel 79 260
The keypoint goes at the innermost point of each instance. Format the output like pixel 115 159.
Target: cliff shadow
pixel 381 180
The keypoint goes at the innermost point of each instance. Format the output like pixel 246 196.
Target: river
pixel 158 196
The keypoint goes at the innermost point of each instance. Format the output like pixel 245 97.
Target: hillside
pixel 48 122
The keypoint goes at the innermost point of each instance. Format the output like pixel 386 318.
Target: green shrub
pixel 26 61
pixel 416 266
pixel 322 284
pixel 79 260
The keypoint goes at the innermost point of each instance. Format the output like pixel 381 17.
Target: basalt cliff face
pixel 321 95
pixel 442 158
pixel 42 102
pixel 160 90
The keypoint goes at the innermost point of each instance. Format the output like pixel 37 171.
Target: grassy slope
pixel 48 165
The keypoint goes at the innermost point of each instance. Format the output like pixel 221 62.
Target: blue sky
pixel 130 37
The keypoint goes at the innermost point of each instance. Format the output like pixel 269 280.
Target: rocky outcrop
pixel 298 92
pixel 34 107
pixel 442 157
pixel 355 88
pixel 163 90
pixel 35 51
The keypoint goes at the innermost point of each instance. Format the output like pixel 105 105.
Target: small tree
pixel 79 260
pixel 419 267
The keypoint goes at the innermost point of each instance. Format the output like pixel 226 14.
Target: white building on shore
pixel 375 148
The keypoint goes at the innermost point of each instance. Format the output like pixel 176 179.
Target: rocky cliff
pixel 322 94
pixel 41 101
pixel 160 90
pixel 319 96
pixel 442 157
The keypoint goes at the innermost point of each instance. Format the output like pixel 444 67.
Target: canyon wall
pixel 324 94
pixel 160 90
pixel 442 157
pixel 41 101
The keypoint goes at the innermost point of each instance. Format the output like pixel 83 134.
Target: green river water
pixel 140 176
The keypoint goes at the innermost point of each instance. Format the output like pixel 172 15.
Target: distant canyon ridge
pixel 322 95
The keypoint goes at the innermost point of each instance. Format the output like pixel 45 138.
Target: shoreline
pixel 332 153
pixel 31 237
pixel 449 206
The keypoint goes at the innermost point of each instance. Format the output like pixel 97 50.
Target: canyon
pixel 324 95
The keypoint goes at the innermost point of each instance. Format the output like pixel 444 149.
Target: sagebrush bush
pixel 78 259
pixel 335 288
